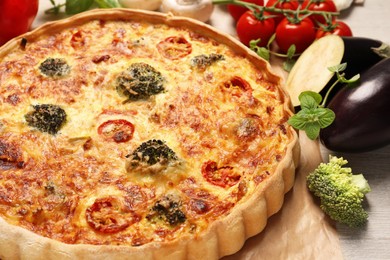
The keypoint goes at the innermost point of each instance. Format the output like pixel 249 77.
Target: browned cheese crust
pixel 137 135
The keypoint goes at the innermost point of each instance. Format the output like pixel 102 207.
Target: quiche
pixel 138 135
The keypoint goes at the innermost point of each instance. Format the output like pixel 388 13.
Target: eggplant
pixel 362 113
pixel 310 72
pixel 360 54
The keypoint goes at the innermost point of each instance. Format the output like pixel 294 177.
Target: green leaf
pixel 107 3
pixel 261 51
pixel 77 6
pixel 309 99
pixel 351 80
pixel 338 68
pixel 271 40
pixel 326 117
pixel 291 51
pixel 264 53
pixel 289 64
pixel 312 130
pixel 297 122
pixel 253 44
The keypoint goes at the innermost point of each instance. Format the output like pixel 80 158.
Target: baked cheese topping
pixel 125 133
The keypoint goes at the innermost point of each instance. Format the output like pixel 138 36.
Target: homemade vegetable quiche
pixel 137 135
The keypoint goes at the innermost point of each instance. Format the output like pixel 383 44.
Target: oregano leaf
pixel 326 117
pixel 312 130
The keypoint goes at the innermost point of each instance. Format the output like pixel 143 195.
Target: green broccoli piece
pixel 140 81
pixel 47 118
pixel 341 193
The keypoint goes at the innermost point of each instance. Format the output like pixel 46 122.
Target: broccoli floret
pixel 54 67
pixel 202 61
pixel 152 152
pixel 139 81
pixel 47 118
pixel 341 193
pixel 168 210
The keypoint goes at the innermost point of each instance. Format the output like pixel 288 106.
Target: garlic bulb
pixel 150 5
pixel 197 9
pixel 342 4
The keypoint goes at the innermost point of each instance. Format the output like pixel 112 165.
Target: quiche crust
pixel 223 236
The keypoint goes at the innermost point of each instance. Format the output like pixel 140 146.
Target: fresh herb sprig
pixel 78 6
pixel 313 115
pixel 265 52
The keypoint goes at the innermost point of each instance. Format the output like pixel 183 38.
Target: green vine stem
pixel 272 9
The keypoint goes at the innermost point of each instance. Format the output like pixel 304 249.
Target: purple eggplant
pixel 362 113
pixel 360 54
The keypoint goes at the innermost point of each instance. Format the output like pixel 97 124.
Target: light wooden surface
pixel 373 242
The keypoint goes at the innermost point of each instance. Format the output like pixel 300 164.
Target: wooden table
pixel 373 242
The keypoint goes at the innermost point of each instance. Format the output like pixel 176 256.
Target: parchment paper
pixel 300 230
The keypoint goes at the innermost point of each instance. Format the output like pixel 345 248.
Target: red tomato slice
pixel 236 86
pixel 174 47
pixel 105 215
pixel 118 130
pixel 77 40
pixel 236 10
pixel 220 176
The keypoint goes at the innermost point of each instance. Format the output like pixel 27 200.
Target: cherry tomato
pixel 118 130
pixel 319 5
pixel 301 34
pixel 250 27
pixel 337 28
pixel 224 176
pixel 283 4
pixel 236 11
pixel 174 47
pixel 16 17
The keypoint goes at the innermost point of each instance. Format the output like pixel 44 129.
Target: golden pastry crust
pixel 224 115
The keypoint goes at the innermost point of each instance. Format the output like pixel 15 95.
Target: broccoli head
pixel 139 81
pixel 54 67
pixel 341 193
pixel 203 61
pixel 151 156
pixel 46 118
pixel 168 210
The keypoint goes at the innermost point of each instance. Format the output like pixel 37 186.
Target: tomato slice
pixel 237 86
pixel 174 47
pixel 77 40
pixel 105 215
pixel 224 176
pixel 118 130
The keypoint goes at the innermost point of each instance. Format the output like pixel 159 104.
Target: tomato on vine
pixel 236 11
pixel 297 31
pixel 16 17
pixel 319 5
pixel 254 25
pixel 336 27
pixel 282 4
